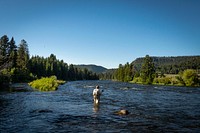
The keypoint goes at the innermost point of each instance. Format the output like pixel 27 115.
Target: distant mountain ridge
pixel 93 68
pixel 170 65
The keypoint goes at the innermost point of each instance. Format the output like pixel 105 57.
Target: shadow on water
pixel 71 109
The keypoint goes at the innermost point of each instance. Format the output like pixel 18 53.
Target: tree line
pixel 149 70
pixel 16 65
pixel 128 72
pixel 42 67
pixel 171 65
pixel 13 60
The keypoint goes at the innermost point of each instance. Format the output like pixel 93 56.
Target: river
pixel 71 109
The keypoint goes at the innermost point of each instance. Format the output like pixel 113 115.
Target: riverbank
pixel 162 84
pixel 20 87
pixel 172 80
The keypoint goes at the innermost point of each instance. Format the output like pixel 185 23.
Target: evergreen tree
pixel 22 74
pixel 120 73
pixel 7 58
pixel 4 48
pixel 71 72
pixel 12 52
pixel 128 72
pixel 23 55
pixel 148 70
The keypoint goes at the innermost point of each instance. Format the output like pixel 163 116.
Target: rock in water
pixel 122 112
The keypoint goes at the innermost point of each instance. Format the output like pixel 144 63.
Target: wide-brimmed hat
pixel 97 87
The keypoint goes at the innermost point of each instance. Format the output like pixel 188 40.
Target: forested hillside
pixel 157 70
pixel 93 68
pixel 171 65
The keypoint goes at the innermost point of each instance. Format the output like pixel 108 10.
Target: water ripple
pixel 71 109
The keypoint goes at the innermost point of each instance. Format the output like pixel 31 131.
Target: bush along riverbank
pixel 46 83
pixel 187 78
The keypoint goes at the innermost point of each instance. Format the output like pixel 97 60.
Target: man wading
pixel 96 95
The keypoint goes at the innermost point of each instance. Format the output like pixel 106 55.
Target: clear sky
pixel 103 32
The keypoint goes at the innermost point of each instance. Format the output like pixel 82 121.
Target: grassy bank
pixel 188 78
pixel 46 84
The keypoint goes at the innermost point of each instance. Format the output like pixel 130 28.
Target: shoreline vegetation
pixel 189 79
pixel 150 74
pixel 46 83
pixel 16 66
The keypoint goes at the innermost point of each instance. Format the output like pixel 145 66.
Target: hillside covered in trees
pixel 163 65
pixel 16 65
pixel 94 68
pixel 148 70
pixel 171 65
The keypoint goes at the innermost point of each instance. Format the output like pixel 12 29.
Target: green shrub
pixel 190 77
pixel 156 81
pixel 46 84
pixel 180 81
pixel 174 81
pixel 163 80
pixel 137 80
pixel 167 80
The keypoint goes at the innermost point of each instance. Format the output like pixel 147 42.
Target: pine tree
pixel 12 52
pixel 4 52
pixel 128 73
pixel 23 55
pixel 148 70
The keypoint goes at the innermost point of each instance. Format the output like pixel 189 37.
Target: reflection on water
pixel 96 107
pixel 71 109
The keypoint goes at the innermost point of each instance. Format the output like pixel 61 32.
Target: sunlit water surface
pixel 71 109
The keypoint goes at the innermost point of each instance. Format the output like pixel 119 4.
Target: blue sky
pixel 103 32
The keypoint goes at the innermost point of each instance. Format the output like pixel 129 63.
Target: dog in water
pixel 96 95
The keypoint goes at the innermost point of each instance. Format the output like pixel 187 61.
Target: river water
pixel 71 109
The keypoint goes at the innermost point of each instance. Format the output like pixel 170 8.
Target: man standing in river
pixel 96 95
